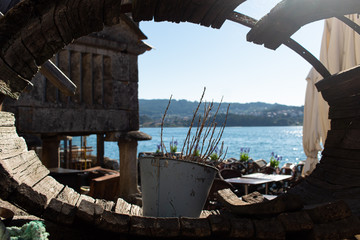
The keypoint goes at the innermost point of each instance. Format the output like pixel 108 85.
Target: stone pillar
pixel 128 168
pixel 50 151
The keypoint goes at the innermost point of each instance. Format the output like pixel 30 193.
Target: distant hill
pixel 240 114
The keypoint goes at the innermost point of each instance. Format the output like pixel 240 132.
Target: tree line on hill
pixel 180 113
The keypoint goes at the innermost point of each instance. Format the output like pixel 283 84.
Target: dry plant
pixel 205 141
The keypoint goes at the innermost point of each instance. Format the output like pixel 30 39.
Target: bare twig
pixel 205 132
pixel 192 122
pixel 162 127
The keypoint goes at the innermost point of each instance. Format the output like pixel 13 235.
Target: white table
pixel 258 178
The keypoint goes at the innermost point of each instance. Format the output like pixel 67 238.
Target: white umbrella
pixel 339 51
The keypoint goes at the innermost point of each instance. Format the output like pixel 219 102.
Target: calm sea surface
pixel 284 141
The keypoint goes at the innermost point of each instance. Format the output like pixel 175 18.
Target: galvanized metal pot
pixel 173 187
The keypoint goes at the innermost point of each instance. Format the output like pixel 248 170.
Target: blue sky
pixel 188 57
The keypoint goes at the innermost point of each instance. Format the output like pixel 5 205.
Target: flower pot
pixel 173 187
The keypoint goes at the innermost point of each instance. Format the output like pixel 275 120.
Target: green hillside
pixel 240 114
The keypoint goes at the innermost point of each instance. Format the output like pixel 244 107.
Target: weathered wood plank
pixel 62 23
pixel 173 13
pixel 113 222
pixel 122 207
pixel 36 43
pixel 342 112
pixel 184 10
pixel 26 168
pixel 269 229
pixel 345 123
pixel 288 16
pixel 7 183
pixel 135 210
pixel 107 205
pixel 112 8
pixel 89 212
pixel 86 198
pixel 296 221
pixel 53 210
pixel 11 147
pixel 343 229
pixel 345 102
pixel 317 180
pixel 11 83
pixel 346 139
pixel 340 175
pixel 212 13
pixel 50 31
pixel 60 212
pixel 69 195
pixel 8 132
pixel 254 197
pixel 311 193
pixel 49 187
pixel 26 197
pixel 329 212
pixel 340 80
pixel 283 203
pixel 73 17
pixel 143 10
pixel 241 228
pixel 220 225
pixel 195 227
pixel 166 228
pixel 178 15
pixel 68 213
pixel 340 162
pixel 141 226
pixel 341 153
pixel 163 10
pixel 224 13
pixel 201 10
pixel 20 60
pixel 207 213
pixel 91 15
pixel 6 119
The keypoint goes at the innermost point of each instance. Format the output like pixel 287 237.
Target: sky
pixel 187 57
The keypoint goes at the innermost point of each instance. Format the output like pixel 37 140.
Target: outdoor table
pixel 274 177
pixel 256 179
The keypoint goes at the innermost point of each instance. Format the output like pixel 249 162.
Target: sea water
pixel 262 141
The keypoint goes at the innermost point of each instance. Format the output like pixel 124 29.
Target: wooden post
pixel 50 151
pixel 66 160
pixel 100 149
pixel 69 163
pixel 128 168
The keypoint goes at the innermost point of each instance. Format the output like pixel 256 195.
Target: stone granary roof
pixel 55 24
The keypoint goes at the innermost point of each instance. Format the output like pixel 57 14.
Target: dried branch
pixel 192 122
pixel 162 145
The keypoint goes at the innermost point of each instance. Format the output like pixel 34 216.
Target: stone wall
pixel 104 68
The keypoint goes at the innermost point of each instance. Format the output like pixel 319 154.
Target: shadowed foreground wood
pixel 282 203
pixel 24 181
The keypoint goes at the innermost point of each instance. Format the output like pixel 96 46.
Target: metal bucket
pixel 174 188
